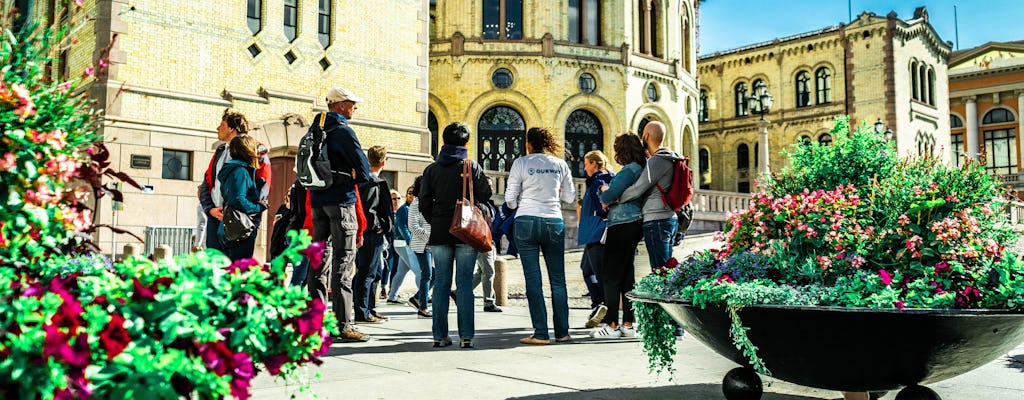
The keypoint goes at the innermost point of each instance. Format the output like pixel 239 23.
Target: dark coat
pixel 442 187
pixel 592 215
pixel 346 154
pixel 238 186
pixel 380 216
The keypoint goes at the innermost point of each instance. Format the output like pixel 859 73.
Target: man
pixel 660 221
pixel 232 124
pixel 334 214
pixel 485 261
pixel 380 220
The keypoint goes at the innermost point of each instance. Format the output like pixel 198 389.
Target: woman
pixel 238 188
pixel 439 193
pixel 536 184
pixel 592 227
pixel 406 257
pixel 419 228
pixel 625 229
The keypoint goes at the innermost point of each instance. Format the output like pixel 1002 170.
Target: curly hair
pixel 542 141
pixel 236 121
pixel 629 149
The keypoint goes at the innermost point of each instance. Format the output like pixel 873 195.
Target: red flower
pixel 243 265
pixel 315 254
pixel 886 278
pixel 311 320
pixel 57 344
pixel 275 362
pixel 114 338
pixel 726 278
pixel 325 344
pixel 900 305
pixel 942 267
pixel 967 297
pixel 141 292
pixel 164 281
pixel 69 315
pixel 671 263
pixel 217 357
pixel 242 374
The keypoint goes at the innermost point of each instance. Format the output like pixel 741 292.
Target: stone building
pixel 176 65
pixel 874 68
pixel 586 69
pixel 986 96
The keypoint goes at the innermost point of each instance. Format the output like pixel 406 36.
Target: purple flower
pixel 886 278
pixel 315 254
pixel 275 362
pixel 311 320
pixel 243 265
pixel 942 267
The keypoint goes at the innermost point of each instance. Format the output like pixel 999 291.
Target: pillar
pixel 971 116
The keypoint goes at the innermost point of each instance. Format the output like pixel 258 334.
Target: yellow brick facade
pixel 867 64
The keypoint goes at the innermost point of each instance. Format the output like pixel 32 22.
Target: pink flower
pixel 274 363
pixel 243 265
pixel 78 3
pixel 217 357
pixel 8 162
pixel 899 304
pixel 64 87
pixel 312 320
pixel 56 345
pixel 315 254
pixel 942 267
pixel 903 220
pixel 88 70
pixel 886 278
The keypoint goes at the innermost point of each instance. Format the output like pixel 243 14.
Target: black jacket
pixel 346 154
pixel 376 196
pixel 442 187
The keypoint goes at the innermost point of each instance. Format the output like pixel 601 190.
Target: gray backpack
pixel 312 166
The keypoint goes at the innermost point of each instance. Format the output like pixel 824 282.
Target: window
pixel 702 111
pixel 999 115
pixel 931 86
pixel 652 92
pixel 741 99
pixel 585 21
pixel 742 156
pixel 177 165
pixel 823 83
pixel 291 16
pixel 503 19
pixel 1001 151
pixel 583 133
pixel 925 144
pixel 805 140
pixel 323 23
pixel 825 139
pixel 956 148
pixel 757 154
pixel 704 166
pixel 647 17
pixel 803 89
pixel 502 78
pixel 922 79
pixel 254 15
pixel 432 127
pixel 915 89
pixel 643 124
pixel 955 122
pixel 501 138
pixel 587 83
pixel 743 187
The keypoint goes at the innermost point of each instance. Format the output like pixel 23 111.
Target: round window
pixel 652 92
pixel 502 78
pixel 587 83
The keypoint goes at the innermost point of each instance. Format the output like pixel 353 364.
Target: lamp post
pixel 760 102
pixel 881 129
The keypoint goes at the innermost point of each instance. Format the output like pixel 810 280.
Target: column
pixel 763 154
pixel 971 116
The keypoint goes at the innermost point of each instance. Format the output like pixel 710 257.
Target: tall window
pixel 585 21
pixel 254 15
pixel 741 99
pixel 704 166
pixel 823 84
pixel 323 23
pixel 648 13
pixel 742 156
pixel 914 87
pixel 291 19
pixel 503 19
pixel 583 133
pixel 501 138
pixel 922 79
pixel 931 86
pixel 432 127
pixel 1001 150
pixel 956 147
pixel 803 89
pixel 702 111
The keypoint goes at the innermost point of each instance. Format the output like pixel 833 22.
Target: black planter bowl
pixel 855 349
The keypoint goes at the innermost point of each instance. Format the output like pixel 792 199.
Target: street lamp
pixel 760 102
pixel 880 129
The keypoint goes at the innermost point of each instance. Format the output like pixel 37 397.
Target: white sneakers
pixel 607 332
pixel 596 315
pixel 627 332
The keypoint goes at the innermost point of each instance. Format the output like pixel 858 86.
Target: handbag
pixel 468 223
pixel 237 224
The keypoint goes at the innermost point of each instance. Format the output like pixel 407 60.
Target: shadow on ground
pixel 1015 361
pixel 681 392
pixel 486 339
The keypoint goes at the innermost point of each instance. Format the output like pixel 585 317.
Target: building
pixel 986 96
pixel 586 69
pixel 874 68
pixel 176 65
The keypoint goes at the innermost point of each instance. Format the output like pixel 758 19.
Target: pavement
pixel 400 363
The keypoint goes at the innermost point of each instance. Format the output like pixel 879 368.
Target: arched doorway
pixel 432 127
pixel 583 133
pixel 502 138
pixel 282 173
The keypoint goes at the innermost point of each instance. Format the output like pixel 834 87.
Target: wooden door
pixel 281 180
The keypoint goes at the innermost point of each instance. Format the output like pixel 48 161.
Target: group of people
pixel 373 242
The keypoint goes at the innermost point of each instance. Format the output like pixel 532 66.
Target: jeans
pixel 406 262
pixel 485 274
pixel 213 234
pixel 240 249
pixel 426 262
pixel 535 235
pixel 368 265
pixel 298 271
pixel 592 263
pixel 339 224
pixel 617 273
pixel 658 236
pixel 460 259
pixel 390 267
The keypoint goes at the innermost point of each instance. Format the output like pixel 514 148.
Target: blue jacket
pixel 402 224
pixel 621 213
pixel 238 187
pixel 504 225
pixel 592 215
pixel 346 154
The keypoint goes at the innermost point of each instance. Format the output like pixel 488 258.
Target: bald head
pixel 654 135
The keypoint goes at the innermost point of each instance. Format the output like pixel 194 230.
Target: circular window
pixel 502 78
pixel 587 83
pixel 652 92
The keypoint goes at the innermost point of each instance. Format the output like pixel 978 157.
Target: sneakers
pixel 352 335
pixel 414 302
pixel 424 314
pixel 491 308
pixel 466 343
pixel 443 342
pixel 383 295
pixel 370 320
pixel 596 315
pixel 533 340
pixel 606 332
pixel 627 331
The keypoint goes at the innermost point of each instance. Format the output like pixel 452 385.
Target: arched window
pixel 997 116
pixel 291 19
pixel 585 21
pixel 825 139
pixel 648 13
pixel 583 133
pixel 254 15
pixel 741 99
pixel 704 166
pixel 432 127
pixel 823 84
pixel 655 47
pixel 643 124
pixel 503 19
pixel 742 156
pixel 916 94
pixel 323 23
pixel 931 86
pixel 805 140
pixel 803 89
pixel 686 41
pixel 702 111
pixel 922 79
pixel 501 138
pixel 955 122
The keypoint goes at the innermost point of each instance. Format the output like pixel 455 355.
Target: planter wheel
pixel 742 384
pixel 917 392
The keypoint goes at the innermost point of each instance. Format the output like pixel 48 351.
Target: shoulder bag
pixel 468 223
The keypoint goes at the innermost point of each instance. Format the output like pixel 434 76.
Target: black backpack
pixel 312 166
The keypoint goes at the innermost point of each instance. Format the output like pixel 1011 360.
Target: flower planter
pixel 852 349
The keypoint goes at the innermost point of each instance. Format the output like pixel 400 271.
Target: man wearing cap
pixel 334 213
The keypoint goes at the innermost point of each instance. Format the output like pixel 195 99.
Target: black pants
pixel 239 249
pixel 368 272
pixel 340 225
pixel 592 263
pixel 617 276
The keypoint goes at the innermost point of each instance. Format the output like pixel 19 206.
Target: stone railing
pixel 1015 212
pixel 713 205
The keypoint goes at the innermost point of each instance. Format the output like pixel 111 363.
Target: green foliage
pixel 655 329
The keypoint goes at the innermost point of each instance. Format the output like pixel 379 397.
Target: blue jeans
pixel 534 235
pixel 462 259
pixel 406 262
pixel 426 262
pixel 658 236
pixel 368 264
pixel 299 271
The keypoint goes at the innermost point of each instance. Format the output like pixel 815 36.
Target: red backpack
pixel 680 191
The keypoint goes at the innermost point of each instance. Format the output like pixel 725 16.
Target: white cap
pixel 336 94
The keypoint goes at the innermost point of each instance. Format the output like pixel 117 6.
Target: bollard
pixel 163 252
pixel 131 250
pixel 500 288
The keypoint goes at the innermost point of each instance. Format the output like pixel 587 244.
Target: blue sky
pixel 728 24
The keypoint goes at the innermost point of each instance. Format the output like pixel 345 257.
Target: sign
pixel 140 161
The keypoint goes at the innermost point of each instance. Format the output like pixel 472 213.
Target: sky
pixel 729 24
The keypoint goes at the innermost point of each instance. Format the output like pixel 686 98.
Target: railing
pixel 713 205
pixel 1015 211
pixel 178 237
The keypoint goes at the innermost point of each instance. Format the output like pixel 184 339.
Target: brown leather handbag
pixel 468 223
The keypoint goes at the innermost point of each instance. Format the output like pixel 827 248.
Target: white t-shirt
pixel 536 183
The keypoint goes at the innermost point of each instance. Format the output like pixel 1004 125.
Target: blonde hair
pixel 376 155
pixel 243 148
pixel 598 157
